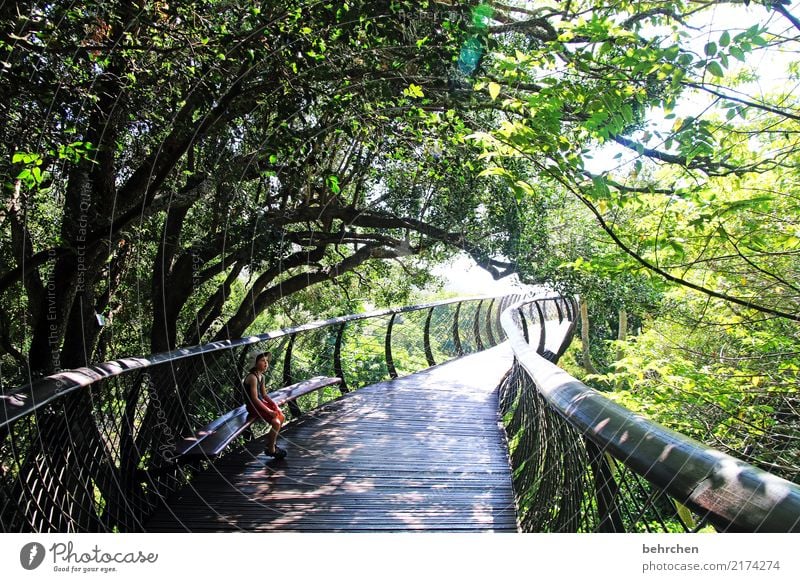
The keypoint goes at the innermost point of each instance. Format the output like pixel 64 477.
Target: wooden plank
pixel 419 453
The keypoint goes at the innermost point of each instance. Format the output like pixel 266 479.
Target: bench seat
pixel 211 440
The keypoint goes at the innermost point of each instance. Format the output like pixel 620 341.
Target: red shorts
pixel 266 411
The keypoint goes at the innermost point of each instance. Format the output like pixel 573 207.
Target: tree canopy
pixel 191 165
pixel 173 171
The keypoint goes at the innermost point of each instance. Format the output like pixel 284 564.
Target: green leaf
pixel 685 514
pixel 600 187
pixel 711 49
pixel 333 184
pixel 26 158
pixel 725 39
pixel 494 90
pixel 496 171
pixel 413 91
pixel 715 69
pixel 522 190
pixel 737 53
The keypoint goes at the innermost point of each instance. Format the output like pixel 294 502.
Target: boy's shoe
pixel 278 454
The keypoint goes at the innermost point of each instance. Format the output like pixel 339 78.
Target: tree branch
pixel 754 105
pixel 699 163
pixel 666 275
pixel 536 27
pixel 781 9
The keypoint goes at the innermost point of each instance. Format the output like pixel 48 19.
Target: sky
pixel 464 277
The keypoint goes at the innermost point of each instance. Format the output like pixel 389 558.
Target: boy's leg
pixel 272 437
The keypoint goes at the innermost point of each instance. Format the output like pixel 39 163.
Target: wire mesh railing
pixel 583 463
pixel 93 449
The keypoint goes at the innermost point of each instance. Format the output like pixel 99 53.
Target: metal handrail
pixel 92 449
pixel 21 401
pixel 727 492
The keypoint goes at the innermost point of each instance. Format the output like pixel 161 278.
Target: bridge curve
pixel 424 452
pixel 97 448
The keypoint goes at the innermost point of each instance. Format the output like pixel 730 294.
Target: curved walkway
pixel 423 452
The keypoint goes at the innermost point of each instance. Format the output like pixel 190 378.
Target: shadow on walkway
pixel 423 452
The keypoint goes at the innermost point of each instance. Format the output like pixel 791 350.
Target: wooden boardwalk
pixel 420 453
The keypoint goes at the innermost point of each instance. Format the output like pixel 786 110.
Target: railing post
pixel 558 307
pixel 504 302
pixel 294 408
pixel 337 359
pixel 568 306
pixel 476 327
pixel 573 322
pixel 524 325
pixel 606 489
pixel 427 339
pixel 542 332
pixel 456 338
pixel 575 310
pixel 388 348
pixel 489 323
pixel 287 362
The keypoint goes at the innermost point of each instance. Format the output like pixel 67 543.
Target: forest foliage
pixel 174 173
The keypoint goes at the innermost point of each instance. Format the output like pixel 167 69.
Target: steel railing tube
pixel 489 334
pixel 606 490
pixel 476 327
pixel 456 338
pixel 337 358
pixel 388 348
pixel 427 338
pixel 557 303
pixel 126 418
pixel 729 493
pixel 542 329
pixel 287 361
pixel 524 325
pixel 496 320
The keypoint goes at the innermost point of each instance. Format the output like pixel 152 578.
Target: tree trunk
pixel 587 358
pixel 622 334
pixel 169 290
